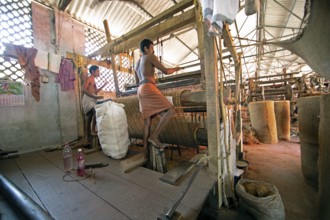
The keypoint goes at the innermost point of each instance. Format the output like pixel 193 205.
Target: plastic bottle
pixel 80 163
pixel 67 158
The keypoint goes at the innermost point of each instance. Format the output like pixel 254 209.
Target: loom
pixel 183 129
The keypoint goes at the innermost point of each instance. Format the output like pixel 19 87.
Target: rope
pixel 225 118
pixel 89 174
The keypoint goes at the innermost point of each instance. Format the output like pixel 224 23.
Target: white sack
pixel 112 129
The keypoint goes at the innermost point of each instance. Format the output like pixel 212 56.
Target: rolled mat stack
pixel 324 157
pixel 263 121
pixel 282 114
pixel 308 120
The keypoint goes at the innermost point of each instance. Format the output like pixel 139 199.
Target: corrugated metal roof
pixel 253 35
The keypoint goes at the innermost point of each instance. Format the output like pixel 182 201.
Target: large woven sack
pixel 324 158
pixel 260 199
pixel 308 120
pixel 282 115
pixel 263 121
pixel 112 129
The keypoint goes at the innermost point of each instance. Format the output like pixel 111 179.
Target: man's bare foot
pixel 156 143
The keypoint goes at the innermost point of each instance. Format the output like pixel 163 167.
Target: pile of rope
pixel 249 135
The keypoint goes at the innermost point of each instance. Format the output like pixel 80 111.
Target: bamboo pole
pixel 201 30
pixel 113 61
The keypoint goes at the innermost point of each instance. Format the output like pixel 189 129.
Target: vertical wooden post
pixel 113 61
pixel 201 31
pixel 213 108
pixel 238 118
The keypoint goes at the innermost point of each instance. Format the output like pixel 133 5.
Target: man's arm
pixel 154 60
pixel 99 89
pixel 137 79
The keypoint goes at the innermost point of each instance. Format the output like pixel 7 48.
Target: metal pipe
pixel 181 194
pixel 275 80
pixel 28 207
pixel 268 94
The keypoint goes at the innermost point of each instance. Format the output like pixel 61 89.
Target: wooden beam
pixel 133 162
pixel 162 86
pixel 136 31
pixel 113 60
pixel 89 61
pixel 169 26
pixel 226 35
pixel 188 75
pixel 201 32
pixel 212 103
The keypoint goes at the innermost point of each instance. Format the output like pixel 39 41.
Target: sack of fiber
pixel 324 157
pixel 263 121
pixel 282 114
pixel 260 199
pixel 308 121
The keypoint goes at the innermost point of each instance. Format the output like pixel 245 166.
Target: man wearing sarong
pixel 89 100
pixel 152 101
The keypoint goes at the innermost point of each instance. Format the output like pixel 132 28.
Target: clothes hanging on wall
pixel 54 62
pixel 215 12
pixel 41 59
pixel 66 76
pixel 26 57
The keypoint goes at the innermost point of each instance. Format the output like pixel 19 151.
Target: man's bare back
pixel 145 68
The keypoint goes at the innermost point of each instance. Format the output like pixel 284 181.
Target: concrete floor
pixel 280 164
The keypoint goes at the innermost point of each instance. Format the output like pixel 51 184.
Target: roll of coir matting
pixel 308 120
pixel 282 114
pixel 324 158
pixel 178 131
pixel 263 121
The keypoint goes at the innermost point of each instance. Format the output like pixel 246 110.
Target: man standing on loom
pixel 152 101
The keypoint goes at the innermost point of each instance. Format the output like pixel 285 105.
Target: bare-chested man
pixel 89 99
pixel 152 101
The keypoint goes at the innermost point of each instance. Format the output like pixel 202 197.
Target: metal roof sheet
pixel 277 20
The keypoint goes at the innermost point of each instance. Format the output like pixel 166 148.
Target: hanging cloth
pixel 215 12
pixel 26 58
pixel 66 76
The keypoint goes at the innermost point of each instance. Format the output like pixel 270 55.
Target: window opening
pixel 94 40
pixel 15 28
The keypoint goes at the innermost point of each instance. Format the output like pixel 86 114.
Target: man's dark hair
pixel 93 68
pixel 145 43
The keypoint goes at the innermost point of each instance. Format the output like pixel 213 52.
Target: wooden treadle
pixel 174 175
pixel 132 162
